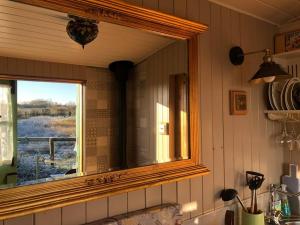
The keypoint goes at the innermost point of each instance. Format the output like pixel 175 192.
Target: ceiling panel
pixel 278 12
pixel 40 34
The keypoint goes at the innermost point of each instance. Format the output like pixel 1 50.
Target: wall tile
pixel 49 217
pixel 117 204
pixel 74 214
pixel 153 196
pixel 97 209
pixel 22 220
pixel 136 200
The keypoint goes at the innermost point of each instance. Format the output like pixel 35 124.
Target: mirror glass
pixel 119 103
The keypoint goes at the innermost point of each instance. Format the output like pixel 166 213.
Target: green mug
pixel 253 219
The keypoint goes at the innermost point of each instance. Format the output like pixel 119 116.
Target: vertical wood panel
pixel 153 196
pixel 193 10
pixel 196 196
pixel 136 200
pixel 206 106
pixel 169 193
pixel 151 4
pixel 135 2
pixel 184 197
pixel 166 6
pixel 117 204
pixel 180 8
pixel 97 209
pixel 217 99
pixel 50 217
pixel 227 86
pixel 22 220
pixel 74 214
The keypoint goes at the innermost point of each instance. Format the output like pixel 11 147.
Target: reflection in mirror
pixel 121 102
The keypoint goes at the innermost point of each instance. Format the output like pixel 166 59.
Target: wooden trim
pixel 45 79
pixel 122 13
pixel 35 198
pixel 194 100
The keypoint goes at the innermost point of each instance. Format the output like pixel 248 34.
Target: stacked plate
pixel 284 94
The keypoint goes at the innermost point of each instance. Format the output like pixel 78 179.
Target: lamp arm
pixel 259 51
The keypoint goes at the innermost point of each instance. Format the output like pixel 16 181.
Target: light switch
pixel 164 129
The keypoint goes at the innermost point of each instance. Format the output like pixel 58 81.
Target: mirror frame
pixel 39 197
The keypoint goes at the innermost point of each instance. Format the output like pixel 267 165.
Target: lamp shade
pixel 81 30
pixel 268 71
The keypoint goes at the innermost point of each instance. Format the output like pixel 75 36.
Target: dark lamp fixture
pixel 268 71
pixel 81 30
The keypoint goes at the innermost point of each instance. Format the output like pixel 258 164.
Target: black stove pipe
pixel 121 71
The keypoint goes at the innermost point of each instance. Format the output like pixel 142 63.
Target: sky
pixel 56 92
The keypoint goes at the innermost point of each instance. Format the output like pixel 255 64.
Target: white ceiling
pixel 40 34
pixel 278 12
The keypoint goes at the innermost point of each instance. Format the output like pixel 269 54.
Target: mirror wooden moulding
pixel 29 199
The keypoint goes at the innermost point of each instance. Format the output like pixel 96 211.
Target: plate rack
pixel 283 115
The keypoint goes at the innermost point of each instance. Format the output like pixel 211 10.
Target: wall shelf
pixel 288 55
pixel 283 115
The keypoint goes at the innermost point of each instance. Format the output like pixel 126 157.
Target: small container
pixel 253 219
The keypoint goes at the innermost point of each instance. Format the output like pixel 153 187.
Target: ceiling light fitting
pixel 82 30
pixel 268 71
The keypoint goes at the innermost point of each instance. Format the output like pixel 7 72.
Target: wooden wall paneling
pixel 24 220
pixel 180 8
pixel 50 217
pixel 228 80
pixel 217 107
pixel 151 4
pixel 252 65
pixel 275 155
pixel 117 204
pixel 96 209
pixel 169 193
pixel 136 200
pixel 153 196
pixel 135 2
pixel 184 197
pixel 192 10
pixel 206 93
pixel 1 222
pixel 166 6
pixel 193 13
pixel 196 196
pixel 238 164
pixel 74 214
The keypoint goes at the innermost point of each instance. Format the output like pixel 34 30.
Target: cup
pixel 253 219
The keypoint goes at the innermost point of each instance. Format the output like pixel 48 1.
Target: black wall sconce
pixel 268 71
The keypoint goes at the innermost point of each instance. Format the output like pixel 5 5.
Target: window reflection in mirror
pixel 39 130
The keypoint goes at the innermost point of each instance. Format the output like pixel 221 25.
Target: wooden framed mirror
pixel 160 134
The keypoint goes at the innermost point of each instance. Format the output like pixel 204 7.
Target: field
pixel 33 158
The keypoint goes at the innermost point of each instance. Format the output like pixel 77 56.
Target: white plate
pixel 276 89
pixel 270 96
pixel 282 99
pixel 288 93
pixel 296 105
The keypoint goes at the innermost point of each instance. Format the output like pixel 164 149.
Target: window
pixel 40 131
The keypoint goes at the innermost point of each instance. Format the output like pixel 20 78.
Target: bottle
pixel 285 207
pixel 275 200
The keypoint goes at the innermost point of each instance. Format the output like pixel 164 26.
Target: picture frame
pixel 238 102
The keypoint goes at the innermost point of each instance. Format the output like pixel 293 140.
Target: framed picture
pixel 238 102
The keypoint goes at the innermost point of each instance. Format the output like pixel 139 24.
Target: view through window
pixel 45 128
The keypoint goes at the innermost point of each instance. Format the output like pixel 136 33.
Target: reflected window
pixel 40 131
